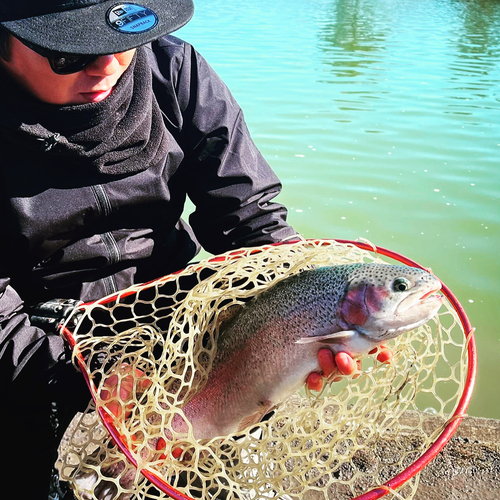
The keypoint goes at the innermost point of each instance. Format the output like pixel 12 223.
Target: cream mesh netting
pixel 355 435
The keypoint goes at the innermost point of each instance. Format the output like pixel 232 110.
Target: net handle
pixel 379 491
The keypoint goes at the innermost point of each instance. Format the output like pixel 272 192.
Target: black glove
pixel 51 314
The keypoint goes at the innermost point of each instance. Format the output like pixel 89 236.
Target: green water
pixel 382 118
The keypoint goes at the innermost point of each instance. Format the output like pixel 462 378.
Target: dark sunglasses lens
pixel 65 64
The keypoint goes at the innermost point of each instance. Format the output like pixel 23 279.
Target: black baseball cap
pixel 93 26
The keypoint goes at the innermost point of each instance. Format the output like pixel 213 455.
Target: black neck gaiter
pixel 122 134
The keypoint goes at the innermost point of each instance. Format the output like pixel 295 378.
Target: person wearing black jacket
pixel 107 125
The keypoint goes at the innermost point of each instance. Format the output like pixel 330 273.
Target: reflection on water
pixel 351 35
pixel 382 120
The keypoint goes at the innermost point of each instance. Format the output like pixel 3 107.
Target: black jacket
pixel 71 233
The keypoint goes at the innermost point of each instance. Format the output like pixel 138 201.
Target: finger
pixel 314 381
pixel 143 382
pixel 115 408
pixel 326 362
pixel 126 388
pixel 385 355
pixel 111 381
pixel 105 395
pixel 345 364
pixel 126 383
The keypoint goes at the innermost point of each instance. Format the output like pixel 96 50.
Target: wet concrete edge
pixel 468 467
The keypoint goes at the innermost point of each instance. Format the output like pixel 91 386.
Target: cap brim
pixel 87 31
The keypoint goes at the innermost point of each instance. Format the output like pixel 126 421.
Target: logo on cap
pixel 131 18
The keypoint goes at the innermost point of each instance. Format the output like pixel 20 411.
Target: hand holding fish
pixel 342 364
pixel 314 325
pixel 329 363
pixel 119 389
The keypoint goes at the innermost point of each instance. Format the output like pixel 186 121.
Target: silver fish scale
pixel 300 301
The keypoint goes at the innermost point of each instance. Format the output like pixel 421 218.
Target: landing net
pixel 365 436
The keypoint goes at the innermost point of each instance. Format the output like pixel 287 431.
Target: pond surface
pixel 382 119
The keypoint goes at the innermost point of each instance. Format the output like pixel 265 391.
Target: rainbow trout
pixel 267 351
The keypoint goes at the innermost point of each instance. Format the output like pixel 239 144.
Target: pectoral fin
pixel 331 338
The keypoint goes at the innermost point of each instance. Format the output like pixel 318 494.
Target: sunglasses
pixel 62 63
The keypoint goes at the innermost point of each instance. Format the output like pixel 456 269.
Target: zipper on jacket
pixel 104 208
pixel 103 203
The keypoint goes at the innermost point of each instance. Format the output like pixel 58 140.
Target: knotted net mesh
pixel 156 343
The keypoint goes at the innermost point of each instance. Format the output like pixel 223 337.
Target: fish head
pixel 383 301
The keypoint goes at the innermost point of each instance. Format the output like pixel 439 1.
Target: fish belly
pixel 242 390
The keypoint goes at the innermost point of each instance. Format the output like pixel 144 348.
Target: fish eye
pixel 401 284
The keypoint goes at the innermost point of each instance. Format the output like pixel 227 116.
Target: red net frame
pixel 378 492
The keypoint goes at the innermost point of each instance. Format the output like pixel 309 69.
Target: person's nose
pixel 103 66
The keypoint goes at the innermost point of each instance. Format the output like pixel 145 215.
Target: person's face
pixel 92 84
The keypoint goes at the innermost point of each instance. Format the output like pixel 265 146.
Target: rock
pixel 468 467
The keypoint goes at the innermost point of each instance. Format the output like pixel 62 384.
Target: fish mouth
pixel 433 294
pixel 416 309
pixel 431 298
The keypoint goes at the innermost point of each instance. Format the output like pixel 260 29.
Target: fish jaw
pixel 412 312
pixel 381 313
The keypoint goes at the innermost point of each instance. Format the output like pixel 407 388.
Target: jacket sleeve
pixel 31 360
pixel 228 180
